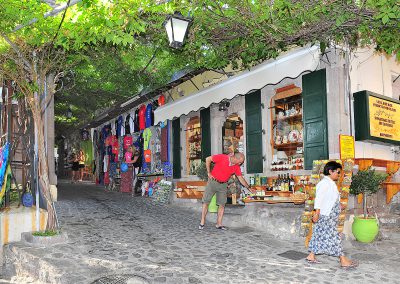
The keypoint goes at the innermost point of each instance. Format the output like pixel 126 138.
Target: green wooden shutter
pixel 254 156
pixel 176 147
pixel 205 133
pixel 315 118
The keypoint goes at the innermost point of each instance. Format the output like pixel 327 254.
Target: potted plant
pixel 366 182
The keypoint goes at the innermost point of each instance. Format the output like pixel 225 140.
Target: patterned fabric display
pixel 167 169
pixel 113 169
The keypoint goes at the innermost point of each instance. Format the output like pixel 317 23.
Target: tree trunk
pixel 365 205
pixel 43 168
pixel 49 127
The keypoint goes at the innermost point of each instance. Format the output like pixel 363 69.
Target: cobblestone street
pixel 113 236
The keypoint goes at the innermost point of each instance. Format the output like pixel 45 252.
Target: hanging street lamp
pixel 177 27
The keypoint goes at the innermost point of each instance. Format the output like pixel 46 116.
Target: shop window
pixel 232 135
pixel 287 129
pixel 193 145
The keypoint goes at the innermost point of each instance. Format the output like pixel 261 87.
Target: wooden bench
pixel 190 189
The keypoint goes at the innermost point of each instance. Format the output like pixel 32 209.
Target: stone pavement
pixel 116 238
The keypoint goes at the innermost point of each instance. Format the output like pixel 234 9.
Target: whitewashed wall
pixel 373 71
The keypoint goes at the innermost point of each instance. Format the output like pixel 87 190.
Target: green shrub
pixel 47 233
pixel 366 182
pixel 201 171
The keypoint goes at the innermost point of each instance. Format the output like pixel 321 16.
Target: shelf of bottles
pixel 282 188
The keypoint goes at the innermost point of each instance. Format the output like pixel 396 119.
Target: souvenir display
pixel 287 128
pixel 149 158
pixel 193 144
pixel 232 131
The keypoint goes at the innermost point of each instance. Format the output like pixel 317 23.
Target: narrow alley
pixel 117 238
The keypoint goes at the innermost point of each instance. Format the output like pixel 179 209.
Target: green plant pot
pixel 213 207
pixel 365 230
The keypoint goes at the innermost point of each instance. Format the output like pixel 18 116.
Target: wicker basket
pixel 298 197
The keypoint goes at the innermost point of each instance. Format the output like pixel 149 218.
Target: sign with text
pixel 384 118
pixel 347 149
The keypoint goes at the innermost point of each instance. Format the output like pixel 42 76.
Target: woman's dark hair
pixel 331 166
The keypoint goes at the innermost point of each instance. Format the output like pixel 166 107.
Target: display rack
pixel 232 133
pixel 286 112
pixel 193 145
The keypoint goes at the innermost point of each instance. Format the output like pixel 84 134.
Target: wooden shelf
pixel 288 146
pixel 290 118
pixel 194 140
pixel 195 158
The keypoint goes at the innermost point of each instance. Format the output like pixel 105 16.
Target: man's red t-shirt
pixel 222 171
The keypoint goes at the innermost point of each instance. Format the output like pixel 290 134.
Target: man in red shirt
pixel 224 167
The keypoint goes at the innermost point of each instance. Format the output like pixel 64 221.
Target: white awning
pixel 290 65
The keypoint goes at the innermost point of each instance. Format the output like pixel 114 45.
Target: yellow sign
pixel 346 144
pixel 384 119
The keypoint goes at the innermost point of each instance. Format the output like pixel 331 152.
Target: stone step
pixel 20 266
pixel 391 233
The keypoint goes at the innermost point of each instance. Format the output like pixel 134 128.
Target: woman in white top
pixel 325 238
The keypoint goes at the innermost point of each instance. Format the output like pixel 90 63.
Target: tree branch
pixel 17 51
pixel 52 13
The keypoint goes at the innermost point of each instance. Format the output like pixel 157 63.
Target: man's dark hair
pixel 331 166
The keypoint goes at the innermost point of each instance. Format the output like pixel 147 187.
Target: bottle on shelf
pixel 292 184
pixel 279 183
pixel 251 183
pixel 287 181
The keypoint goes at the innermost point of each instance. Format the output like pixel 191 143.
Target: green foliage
pixel 367 182
pixel 115 49
pixel 201 171
pixel 47 233
pixel 14 196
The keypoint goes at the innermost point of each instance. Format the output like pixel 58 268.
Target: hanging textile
pixel 164 144
pixel 5 169
pixel 87 147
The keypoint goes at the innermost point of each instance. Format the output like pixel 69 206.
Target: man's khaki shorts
pixel 219 189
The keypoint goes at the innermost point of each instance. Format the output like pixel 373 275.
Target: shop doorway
pixel 232 135
pixel 193 145
pixel 232 142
